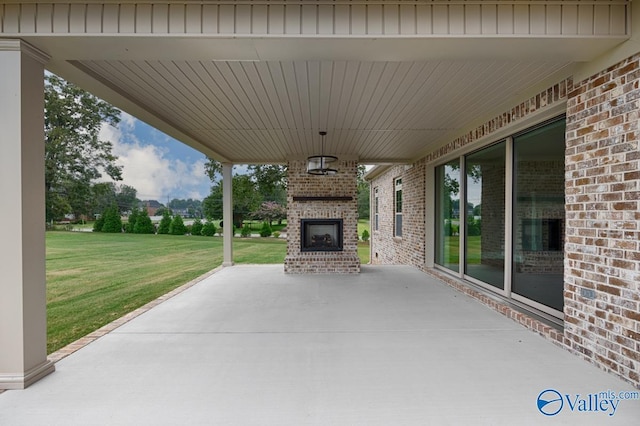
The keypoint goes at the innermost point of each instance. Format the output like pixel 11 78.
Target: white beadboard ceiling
pixel 259 100
pixel 272 111
pixel 254 81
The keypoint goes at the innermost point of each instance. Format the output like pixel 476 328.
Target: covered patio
pixel 253 345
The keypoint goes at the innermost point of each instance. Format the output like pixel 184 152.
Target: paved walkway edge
pixel 106 329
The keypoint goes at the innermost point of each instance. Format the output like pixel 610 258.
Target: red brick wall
pixel 602 251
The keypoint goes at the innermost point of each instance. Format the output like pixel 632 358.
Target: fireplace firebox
pixel 321 234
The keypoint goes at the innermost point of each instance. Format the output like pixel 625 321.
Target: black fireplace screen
pixel 321 234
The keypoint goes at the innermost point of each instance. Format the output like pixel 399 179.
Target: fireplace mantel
pixel 303 199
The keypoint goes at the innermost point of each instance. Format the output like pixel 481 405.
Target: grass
pixel 362 225
pixel 95 278
pixel 452 247
pixel 256 225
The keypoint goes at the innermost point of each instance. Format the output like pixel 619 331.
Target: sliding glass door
pixel 505 205
pixel 538 215
pixel 484 214
pixel 448 215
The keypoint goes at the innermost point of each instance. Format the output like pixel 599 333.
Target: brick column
pixel 344 183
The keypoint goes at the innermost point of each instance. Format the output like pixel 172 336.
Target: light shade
pixel 319 164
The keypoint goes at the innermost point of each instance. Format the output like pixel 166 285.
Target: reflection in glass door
pixel 484 212
pixel 448 215
pixel 538 215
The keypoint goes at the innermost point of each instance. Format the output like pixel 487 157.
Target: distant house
pixel 152 206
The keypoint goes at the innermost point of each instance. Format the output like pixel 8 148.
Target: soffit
pixel 272 111
pixel 264 101
pixel 404 79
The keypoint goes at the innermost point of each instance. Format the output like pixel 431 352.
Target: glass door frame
pixel 506 285
pixel 524 302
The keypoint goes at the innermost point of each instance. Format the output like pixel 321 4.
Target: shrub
pixel 131 222
pixel 448 230
pixel 208 229
pixel 246 231
pixel 276 234
pixel 165 223
pixel 177 226
pixel 474 227
pixel 112 220
pixel 365 235
pixel 143 224
pixel 266 230
pixel 98 224
pixel 196 228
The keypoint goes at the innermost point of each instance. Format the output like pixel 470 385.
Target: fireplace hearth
pixel 320 235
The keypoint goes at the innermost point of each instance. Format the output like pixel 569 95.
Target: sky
pixel 156 165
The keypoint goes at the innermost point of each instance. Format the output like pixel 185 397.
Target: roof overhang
pixel 254 81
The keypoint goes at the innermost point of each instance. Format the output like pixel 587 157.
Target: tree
pixel 190 207
pixel 165 223
pixel 131 221
pixel 177 226
pixel 271 181
pixel 162 210
pixel 213 169
pixel 103 196
pixel 112 220
pixel 98 224
pixel 143 224
pixel 74 155
pixel 363 194
pixel 126 198
pixel 246 200
pixel 270 211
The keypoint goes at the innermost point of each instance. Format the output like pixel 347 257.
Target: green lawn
pixel 95 278
pixel 452 247
pixel 362 225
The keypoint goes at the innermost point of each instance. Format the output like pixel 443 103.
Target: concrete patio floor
pixel 250 345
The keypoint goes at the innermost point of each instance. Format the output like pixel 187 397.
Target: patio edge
pixel 547 331
pixel 106 329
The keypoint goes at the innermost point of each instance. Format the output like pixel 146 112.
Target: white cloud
pixel 150 169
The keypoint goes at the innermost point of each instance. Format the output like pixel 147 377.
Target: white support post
pixel 227 214
pixel 23 303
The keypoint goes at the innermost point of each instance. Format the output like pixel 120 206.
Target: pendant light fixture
pixel 320 164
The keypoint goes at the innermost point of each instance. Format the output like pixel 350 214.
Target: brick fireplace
pixel 322 220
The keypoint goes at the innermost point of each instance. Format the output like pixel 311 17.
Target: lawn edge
pixel 106 329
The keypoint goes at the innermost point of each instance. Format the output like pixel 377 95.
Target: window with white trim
pixel 376 209
pixel 397 229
